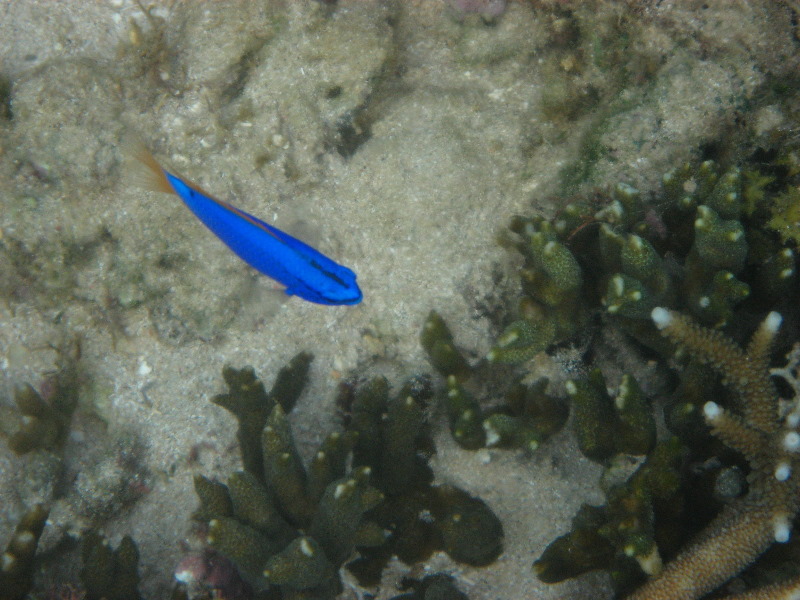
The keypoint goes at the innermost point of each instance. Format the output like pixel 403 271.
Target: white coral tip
pixel 773 322
pixel 712 411
pixel 661 317
pixel 782 529
pixel 793 419
pixel 783 471
pixel 791 441
pixel 492 436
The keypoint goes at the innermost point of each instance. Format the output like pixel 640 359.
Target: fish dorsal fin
pixel 197 188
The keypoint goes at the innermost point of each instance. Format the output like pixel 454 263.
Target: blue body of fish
pixel 304 271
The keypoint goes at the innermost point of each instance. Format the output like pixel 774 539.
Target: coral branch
pixel 767 438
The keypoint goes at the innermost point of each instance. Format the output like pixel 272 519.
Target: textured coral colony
pixel 658 327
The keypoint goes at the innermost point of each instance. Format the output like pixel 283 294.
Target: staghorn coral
pixel 765 434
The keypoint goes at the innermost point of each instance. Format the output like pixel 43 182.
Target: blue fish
pixel 304 271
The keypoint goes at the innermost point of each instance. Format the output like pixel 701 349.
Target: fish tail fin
pixel 142 170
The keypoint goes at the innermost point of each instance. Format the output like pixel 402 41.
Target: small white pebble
pixel 484 456
pixel 144 369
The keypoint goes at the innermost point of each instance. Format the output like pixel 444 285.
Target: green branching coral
pixel 43 419
pixel 17 569
pixel 438 342
pixel 290 527
pixel 251 404
pixel 785 218
pixel 392 441
pixel 606 427
pixel 708 249
pixel 712 252
pixel 109 573
pixel 526 417
pixel 624 536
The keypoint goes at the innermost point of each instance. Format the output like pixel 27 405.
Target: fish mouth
pixel 357 297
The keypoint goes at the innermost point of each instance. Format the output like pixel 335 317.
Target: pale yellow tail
pixel 141 169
